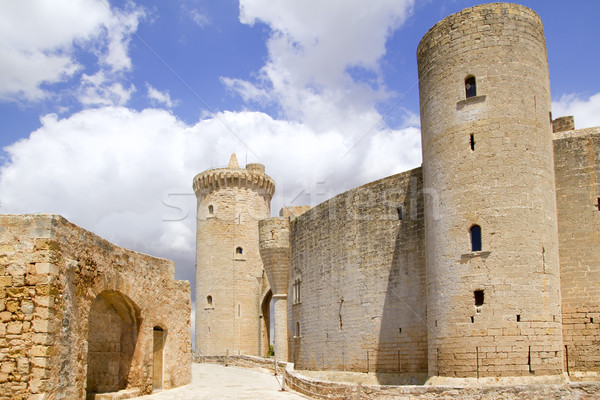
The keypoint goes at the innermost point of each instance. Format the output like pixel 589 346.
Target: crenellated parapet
pixel 252 178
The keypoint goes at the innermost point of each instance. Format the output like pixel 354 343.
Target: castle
pixel 481 263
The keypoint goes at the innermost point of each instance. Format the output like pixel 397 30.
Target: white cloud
pixel 39 39
pixel 98 90
pixel 199 18
pixel 585 111
pixel 160 98
pixel 313 49
pixel 247 90
pixel 127 175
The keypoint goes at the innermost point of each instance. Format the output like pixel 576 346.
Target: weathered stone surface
pixel 356 291
pixel 49 329
pixel 419 296
pixel 488 163
pixel 576 155
pixel 231 289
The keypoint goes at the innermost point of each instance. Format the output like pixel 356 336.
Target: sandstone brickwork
pixel 487 163
pixel 77 314
pixel 229 270
pixel 358 266
pixel 274 236
pixel 481 267
pixel 576 158
pixel 563 124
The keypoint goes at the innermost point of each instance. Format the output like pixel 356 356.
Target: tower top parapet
pixel 252 177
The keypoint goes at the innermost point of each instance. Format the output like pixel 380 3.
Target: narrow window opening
pixel 518 318
pixel 472 140
pixel 297 291
pixel 209 300
pixel 478 294
pixel 211 210
pixel 591 320
pixel 472 319
pixel 598 204
pixel 298 328
pixel 470 86
pixel 475 232
pixel 399 209
pixel 399 330
pixel 239 250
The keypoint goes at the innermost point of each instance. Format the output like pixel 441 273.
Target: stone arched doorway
pixel 113 328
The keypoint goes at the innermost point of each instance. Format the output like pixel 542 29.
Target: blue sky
pixel 109 109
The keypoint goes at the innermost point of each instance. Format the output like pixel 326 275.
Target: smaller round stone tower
pixel 274 236
pixel 229 268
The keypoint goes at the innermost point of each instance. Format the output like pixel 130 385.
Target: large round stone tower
pixel 493 287
pixel 229 269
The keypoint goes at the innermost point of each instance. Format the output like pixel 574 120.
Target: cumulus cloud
pixel 323 66
pixel 39 41
pixel 585 110
pixel 160 98
pixel 127 175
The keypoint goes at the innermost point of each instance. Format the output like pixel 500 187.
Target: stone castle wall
pixel 488 165
pixel 229 270
pixel 356 296
pixel 576 159
pixel 393 277
pixel 77 311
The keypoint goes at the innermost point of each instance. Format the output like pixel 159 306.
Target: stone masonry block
pixel 46 268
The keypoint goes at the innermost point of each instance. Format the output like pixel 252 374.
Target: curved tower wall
pixel 274 234
pixel 357 282
pixel 228 283
pixel 488 161
pixel 577 188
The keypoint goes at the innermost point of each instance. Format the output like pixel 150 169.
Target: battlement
pixel 253 177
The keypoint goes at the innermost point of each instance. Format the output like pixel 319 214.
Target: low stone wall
pixel 242 361
pixel 320 389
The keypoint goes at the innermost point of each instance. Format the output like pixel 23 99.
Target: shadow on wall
pixel 401 355
pixel 114 323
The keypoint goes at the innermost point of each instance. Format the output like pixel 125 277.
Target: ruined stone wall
pixel 51 272
pixel 577 164
pixel 487 162
pixel 356 295
pixel 229 281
